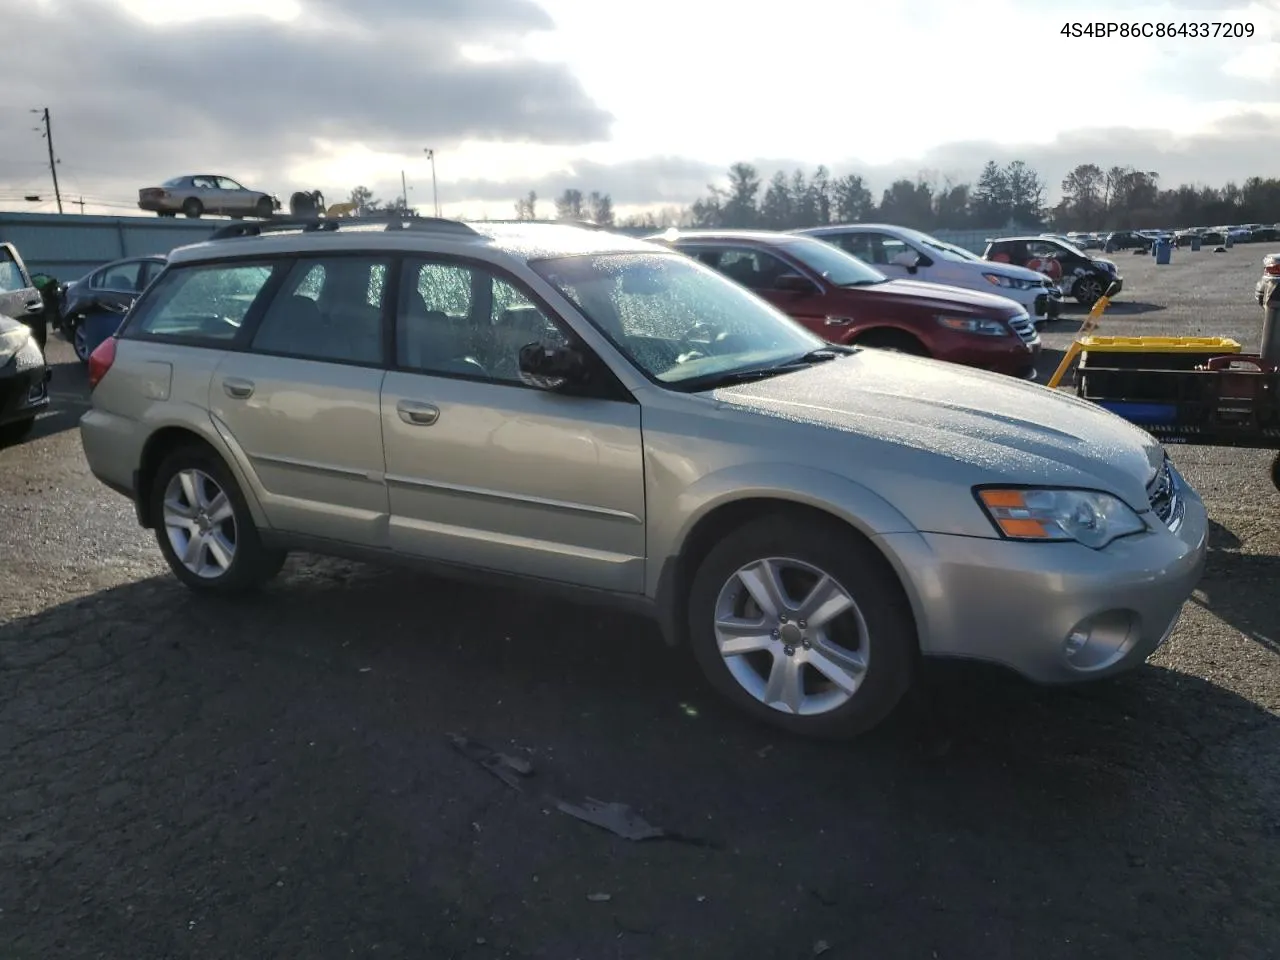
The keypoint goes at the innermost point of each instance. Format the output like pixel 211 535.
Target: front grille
pixel 1162 491
pixel 1024 328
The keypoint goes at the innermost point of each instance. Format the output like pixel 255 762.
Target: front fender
pixel 672 522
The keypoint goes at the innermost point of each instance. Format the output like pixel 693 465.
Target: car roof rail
pixel 328 225
pixel 560 222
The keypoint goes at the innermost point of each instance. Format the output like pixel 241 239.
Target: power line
pixel 53 163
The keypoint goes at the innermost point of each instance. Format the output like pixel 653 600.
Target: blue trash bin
pixel 1164 251
pixel 1195 242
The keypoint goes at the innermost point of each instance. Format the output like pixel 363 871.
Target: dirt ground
pixel 274 778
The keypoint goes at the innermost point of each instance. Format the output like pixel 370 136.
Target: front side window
pixel 123 276
pixel 464 320
pixel 674 318
pixel 753 268
pixel 201 302
pixel 329 308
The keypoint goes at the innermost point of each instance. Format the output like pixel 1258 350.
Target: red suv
pixel 844 300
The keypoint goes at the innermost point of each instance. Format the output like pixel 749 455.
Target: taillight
pixel 100 361
pixel 1271 267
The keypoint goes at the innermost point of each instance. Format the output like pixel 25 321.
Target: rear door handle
pixel 417 414
pixel 237 388
pixel 35 306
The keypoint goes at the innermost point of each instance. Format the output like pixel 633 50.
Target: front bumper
pixel 1017 604
pixel 1008 355
pixel 24 391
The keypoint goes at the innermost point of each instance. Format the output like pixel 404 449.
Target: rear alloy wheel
pixel 803 626
pixel 1088 291
pixel 80 342
pixel 204 526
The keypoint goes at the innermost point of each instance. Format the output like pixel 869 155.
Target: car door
pixel 300 405
pixel 486 471
pixel 205 189
pixel 758 270
pixel 235 199
pixel 116 287
pixel 19 298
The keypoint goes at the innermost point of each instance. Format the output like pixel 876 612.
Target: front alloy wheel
pixel 803 624
pixel 791 636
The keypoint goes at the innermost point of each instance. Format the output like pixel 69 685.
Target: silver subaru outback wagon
pixel 571 409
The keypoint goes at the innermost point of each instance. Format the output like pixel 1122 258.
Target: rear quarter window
pixel 202 303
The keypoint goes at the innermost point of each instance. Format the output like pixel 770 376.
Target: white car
pixel 905 253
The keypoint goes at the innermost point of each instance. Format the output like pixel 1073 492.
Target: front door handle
pixel 35 306
pixel 237 388
pixel 417 414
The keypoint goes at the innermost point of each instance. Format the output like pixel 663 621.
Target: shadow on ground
pixel 272 777
pixel 1073 313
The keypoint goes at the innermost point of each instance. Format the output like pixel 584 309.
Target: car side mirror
pixel 909 259
pixel 794 283
pixel 552 367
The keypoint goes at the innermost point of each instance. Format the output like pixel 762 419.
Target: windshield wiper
pixel 861 283
pixel 724 378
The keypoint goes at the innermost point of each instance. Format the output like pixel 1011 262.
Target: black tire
pixel 1275 471
pixel 253 564
pixel 264 208
pixel 895 340
pixel 192 208
pixel 1088 290
pixel 16 432
pixel 79 345
pixel 865 576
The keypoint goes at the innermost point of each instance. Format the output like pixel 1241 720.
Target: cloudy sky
pixel 648 102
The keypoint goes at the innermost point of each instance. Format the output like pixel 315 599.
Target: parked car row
pixel 24 374
pixel 847 301
pixel 577 411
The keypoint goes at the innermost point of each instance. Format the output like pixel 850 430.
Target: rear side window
pixel 200 303
pixel 11 279
pixel 329 308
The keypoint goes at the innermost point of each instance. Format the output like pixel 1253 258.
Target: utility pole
pixel 435 195
pixel 81 202
pixel 53 163
pixel 404 190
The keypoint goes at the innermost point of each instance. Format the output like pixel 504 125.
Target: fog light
pixel 1075 642
pixel 1098 642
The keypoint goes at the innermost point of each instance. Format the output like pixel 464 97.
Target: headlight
pixel 11 341
pixel 1086 516
pixel 1009 283
pixel 987 328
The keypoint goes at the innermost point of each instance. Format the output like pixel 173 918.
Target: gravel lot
pixel 186 778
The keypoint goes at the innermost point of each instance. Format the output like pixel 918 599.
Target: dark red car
pixel 844 300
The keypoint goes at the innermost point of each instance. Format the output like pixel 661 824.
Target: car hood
pixel 1109 264
pixel 943 297
pixel 909 412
